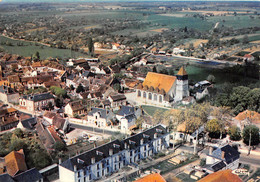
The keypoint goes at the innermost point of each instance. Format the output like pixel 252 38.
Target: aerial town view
pixel 129 91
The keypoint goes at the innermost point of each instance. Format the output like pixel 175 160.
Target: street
pixel 251 159
pixel 89 128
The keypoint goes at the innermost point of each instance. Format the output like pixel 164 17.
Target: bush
pixel 254 135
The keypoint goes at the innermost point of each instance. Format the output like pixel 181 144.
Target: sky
pixel 56 1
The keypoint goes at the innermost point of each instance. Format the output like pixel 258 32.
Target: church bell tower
pixel 182 85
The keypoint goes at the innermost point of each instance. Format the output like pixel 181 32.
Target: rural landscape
pixel 129 91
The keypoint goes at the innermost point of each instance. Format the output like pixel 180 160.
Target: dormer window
pixel 158 130
pixel 92 160
pixel 116 146
pixel 145 136
pixel 80 161
pixel 99 153
pixel 131 142
pixel 110 151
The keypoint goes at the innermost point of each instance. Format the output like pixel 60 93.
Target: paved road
pixel 251 159
pixel 89 128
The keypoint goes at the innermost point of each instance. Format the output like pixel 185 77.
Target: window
pixel 144 95
pixel 107 162
pixel 160 98
pixel 145 147
pixel 155 97
pixel 131 153
pixel 107 169
pixel 78 174
pixel 90 177
pixel 98 174
pixel 150 96
pixel 139 93
pixel 98 166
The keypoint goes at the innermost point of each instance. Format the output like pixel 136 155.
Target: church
pixel 163 90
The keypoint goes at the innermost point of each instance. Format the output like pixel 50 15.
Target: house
pixel 73 108
pixel 8 95
pixel 246 118
pixel 224 157
pixel 111 157
pixel 27 124
pixel 47 135
pixel 32 175
pixel 6 178
pixel 9 118
pixel 101 117
pixel 127 116
pixel 35 102
pixel 223 175
pixel 162 90
pixel 57 121
pixel 201 89
pixel 155 177
pixel 248 57
pixel 15 162
pixel 117 100
pixel 177 51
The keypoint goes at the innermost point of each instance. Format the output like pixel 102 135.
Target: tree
pixel 245 40
pixel 50 106
pixel 59 146
pixel 117 87
pixel 72 87
pixel 41 159
pixel 251 132
pixel 211 78
pixel 18 132
pixel 90 46
pixel 213 127
pixel 16 143
pixel 59 92
pixel 80 88
pixel 234 133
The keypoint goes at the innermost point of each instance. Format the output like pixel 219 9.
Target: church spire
pixel 182 72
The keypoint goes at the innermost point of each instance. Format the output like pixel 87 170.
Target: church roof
pixel 161 81
pixel 182 72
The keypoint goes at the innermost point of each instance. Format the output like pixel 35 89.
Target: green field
pixel 30 48
pixel 152 109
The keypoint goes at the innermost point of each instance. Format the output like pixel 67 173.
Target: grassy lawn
pixel 30 48
pixel 185 177
pixel 151 109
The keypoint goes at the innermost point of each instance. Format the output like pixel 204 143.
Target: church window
pixel 144 95
pixel 150 96
pixel 155 97
pixel 139 93
pixel 160 98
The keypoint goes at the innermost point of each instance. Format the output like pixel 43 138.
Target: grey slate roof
pixel 127 110
pixel 29 123
pixel 31 175
pixel 39 97
pixel 6 178
pixel 83 160
pixel 103 113
pixel 118 97
pixel 231 154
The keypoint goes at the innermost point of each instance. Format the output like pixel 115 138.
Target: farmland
pixel 28 49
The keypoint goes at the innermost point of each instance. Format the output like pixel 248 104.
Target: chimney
pixel 92 160
pixel 107 111
pixel 95 145
pixel 110 152
pixel 222 155
pixel 210 150
pixel 59 160
pixel 125 145
pixel 75 168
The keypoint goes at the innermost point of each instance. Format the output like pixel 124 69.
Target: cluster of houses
pixel 99 98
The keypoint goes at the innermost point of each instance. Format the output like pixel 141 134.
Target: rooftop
pixel 152 178
pixel 223 176
pixel 161 81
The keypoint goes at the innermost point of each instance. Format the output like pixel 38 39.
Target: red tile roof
pixel 152 178
pixel 223 176
pixel 15 162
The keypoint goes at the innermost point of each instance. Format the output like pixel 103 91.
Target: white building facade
pixel 109 158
